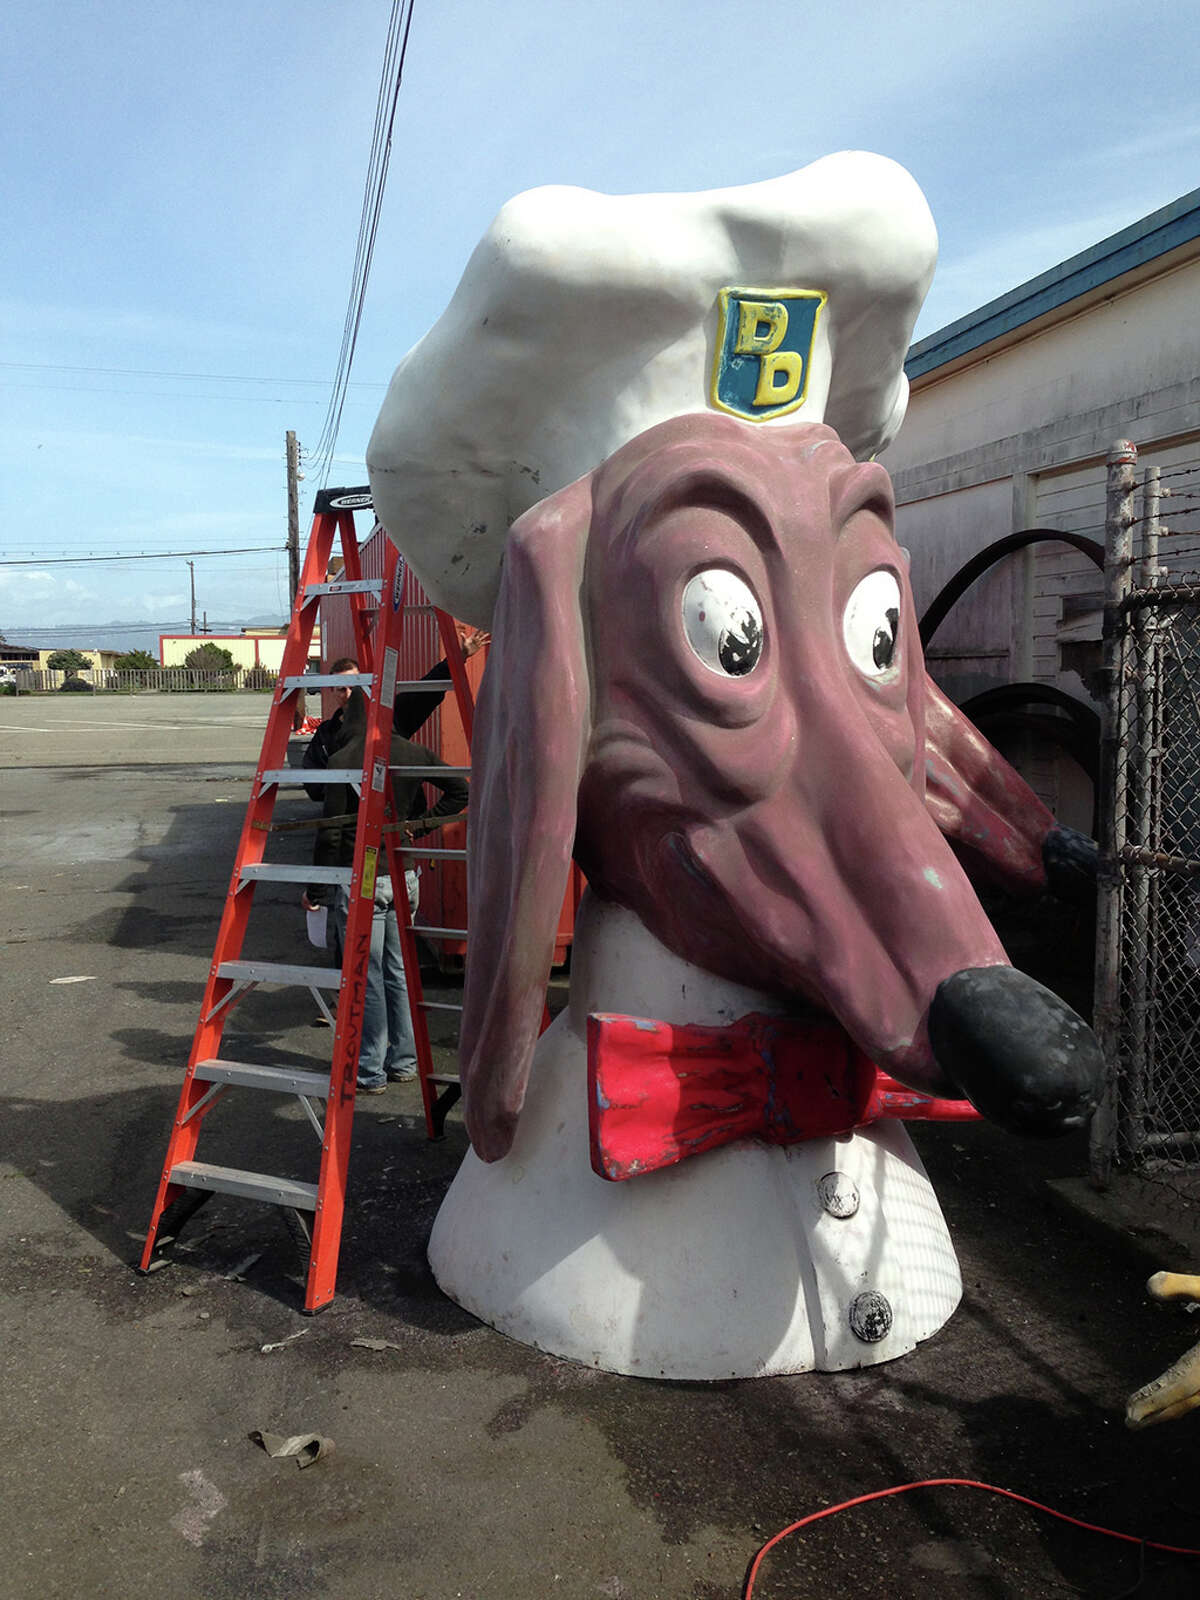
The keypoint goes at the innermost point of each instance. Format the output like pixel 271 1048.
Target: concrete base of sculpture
pixel 747 1261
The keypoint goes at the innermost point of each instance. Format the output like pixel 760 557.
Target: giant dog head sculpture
pixel 706 680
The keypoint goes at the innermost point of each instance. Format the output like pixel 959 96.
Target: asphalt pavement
pixel 464 1465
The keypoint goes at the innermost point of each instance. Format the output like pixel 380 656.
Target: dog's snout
pixel 1017 1052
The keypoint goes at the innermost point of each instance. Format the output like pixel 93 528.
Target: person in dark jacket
pixel 388 1049
pixel 408 712
pixel 328 734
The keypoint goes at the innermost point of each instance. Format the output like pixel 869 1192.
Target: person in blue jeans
pixel 388 1053
pixel 387 1050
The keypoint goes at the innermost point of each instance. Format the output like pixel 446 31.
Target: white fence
pixel 151 680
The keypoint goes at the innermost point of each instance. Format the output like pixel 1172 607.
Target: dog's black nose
pixel 1018 1053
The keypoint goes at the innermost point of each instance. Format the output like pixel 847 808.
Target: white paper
pixel 317 921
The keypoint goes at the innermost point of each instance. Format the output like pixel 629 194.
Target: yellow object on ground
pixel 1177 1391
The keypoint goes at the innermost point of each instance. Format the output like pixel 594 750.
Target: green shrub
pixel 209 658
pixel 70 661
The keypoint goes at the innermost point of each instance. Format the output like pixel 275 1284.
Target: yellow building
pixel 253 647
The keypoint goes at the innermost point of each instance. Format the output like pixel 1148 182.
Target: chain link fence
pixel 1148 942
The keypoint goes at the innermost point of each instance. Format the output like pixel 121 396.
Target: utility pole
pixel 192 567
pixel 293 514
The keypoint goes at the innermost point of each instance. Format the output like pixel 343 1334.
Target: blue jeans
pixel 388 1049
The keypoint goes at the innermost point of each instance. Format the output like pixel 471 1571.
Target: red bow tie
pixel 660 1091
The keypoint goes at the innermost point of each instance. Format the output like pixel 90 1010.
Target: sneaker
pixel 372 1088
pixel 405 1075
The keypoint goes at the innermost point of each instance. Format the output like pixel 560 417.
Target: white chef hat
pixel 582 319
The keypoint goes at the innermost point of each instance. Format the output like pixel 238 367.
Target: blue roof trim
pixel 1155 235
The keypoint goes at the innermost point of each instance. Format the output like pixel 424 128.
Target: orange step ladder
pixel 312 1210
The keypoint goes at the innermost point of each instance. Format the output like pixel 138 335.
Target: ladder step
pixel 348 586
pixel 329 680
pixel 433 772
pixel 296 776
pixel 283 872
pixel 279 1080
pixel 442 1077
pixel 439 933
pixel 442 855
pixel 279 972
pixel 422 685
pixel 249 1185
pixel 439 1005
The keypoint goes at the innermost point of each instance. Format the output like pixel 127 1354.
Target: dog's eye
pixel 871 623
pixel 722 622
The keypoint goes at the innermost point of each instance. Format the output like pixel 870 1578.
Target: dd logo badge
pixel 764 346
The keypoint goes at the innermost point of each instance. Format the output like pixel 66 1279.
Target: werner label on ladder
pixel 363 814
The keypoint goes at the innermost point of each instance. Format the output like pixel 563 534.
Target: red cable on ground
pixel 957 1483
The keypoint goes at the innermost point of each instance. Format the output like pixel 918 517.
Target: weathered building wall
pixel 1013 435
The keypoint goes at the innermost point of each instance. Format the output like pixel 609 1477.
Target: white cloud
pixel 35 598
pixel 15 579
pixel 151 603
pixel 121 325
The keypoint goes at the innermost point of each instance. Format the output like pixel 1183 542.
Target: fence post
pixel 1153 574
pixel 1118 563
pixel 1144 759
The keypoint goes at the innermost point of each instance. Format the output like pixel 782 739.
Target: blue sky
pixel 183 186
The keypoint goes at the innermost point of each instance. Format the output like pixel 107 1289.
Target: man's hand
pixel 471 639
pixel 307 903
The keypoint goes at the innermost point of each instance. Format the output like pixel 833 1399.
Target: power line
pixel 90 629
pixel 395 49
pixel 92 545
pixel 169 394
pixel 144 555
pixel 150 372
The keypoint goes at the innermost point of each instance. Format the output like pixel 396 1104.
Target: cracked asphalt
pixel 465 1465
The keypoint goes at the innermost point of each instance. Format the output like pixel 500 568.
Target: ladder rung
pixel 249 1185
pixel 424 686
pixel 439 1005
pixel 279 1080
pixel 433 772
pixel 289 873
pixel 306 775
pixel 441 855
pixel 349 586
pixel 312 681
pixel 298 776
pixel 280 972
pixel 439 933
pixel 442 1077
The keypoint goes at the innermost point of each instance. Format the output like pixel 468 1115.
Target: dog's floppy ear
pixel 531 732
pixel 996 824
